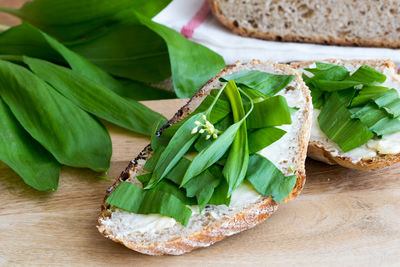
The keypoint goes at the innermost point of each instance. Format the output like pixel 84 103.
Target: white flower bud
pixel 201 131
pixel 194 130
pixel 208 136
pixel 197 122
pixel 215 136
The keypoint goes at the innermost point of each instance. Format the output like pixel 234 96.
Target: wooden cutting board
pixel 342 217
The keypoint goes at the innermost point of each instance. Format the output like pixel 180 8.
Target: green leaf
pixel 273 111
pixel 178 171
pixel 386 126
pixel 331 86
pixel 132 198
pixel 152 161
pixel 219 197
pixel 144 178
pixel 325 71
pixel 69 20
pixel 369 115
pixel 202 186
pixel 236 165
pixel 268 180
pixel 191 64
pixel 176 148
pixel 95 98
pixel 335 121
pixel 389 100
pixel 366 74
pixel 346 96
pixel 27 40
pixel 71 135
pixel 140 91
pixel 377 120
pixel 263 137
pixel 366 94
pixel 267 83
pixel 214 151
pixel 129 51
pixel 24 155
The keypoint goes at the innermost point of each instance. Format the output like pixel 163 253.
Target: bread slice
pixel 341 22
pixel 375 153
pixel 247 208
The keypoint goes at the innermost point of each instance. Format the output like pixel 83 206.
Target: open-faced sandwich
pixel 356 120
pixel 221 165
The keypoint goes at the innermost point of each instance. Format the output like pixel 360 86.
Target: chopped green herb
pixel 268 180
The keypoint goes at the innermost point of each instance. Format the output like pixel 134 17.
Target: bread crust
pixel 318 151
pixel 327 40
pixel 248 218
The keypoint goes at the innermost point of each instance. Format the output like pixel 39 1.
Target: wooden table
pixel 342 217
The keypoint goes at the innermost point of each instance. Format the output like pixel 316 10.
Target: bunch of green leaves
pixel 71 63
pixel 206 170
pixel 121 39
pixel 354 108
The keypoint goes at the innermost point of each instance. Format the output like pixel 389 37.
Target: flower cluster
pixel 206 127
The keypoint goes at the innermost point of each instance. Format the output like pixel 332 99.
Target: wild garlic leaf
pixel 331 86
pixel 325 71
pixel 386 126
pixel 129 51
pixel 70 134
pixel 176 148
pixel 94 97
pixel 263 137
pixel 367 74
pixel 273 111
pixel 336 122
pixel 268 180
pixel 27 40
pixel 267 83
pixel 191 64
pixel 68 20
pixel 220 194
pixel 130 197
pixel 37 167
pixel 377 119
pixel 238 158
pixel 366 94
pixel 202 187
pixel 214 151
pixel 152 161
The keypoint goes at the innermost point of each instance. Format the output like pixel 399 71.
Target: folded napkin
pixel 193 19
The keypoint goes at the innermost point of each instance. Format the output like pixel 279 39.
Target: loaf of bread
pixel 341 22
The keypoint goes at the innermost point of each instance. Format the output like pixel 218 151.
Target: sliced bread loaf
pixel 342 22
pixel 156 235
pixel 376 153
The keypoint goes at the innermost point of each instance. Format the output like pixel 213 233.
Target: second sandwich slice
pixel 221 165
pixel 356 121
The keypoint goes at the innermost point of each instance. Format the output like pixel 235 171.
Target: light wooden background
pixel 343 217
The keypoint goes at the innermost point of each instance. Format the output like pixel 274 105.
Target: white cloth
pixel 212 34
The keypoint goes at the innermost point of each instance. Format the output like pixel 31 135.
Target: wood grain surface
pixel 343 217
